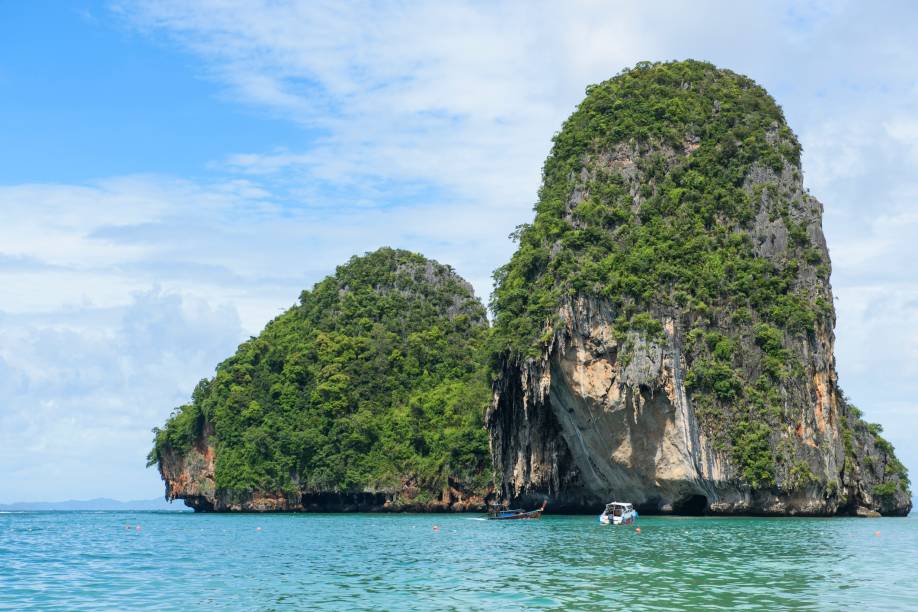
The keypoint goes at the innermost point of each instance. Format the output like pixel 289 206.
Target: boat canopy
pixel 620 505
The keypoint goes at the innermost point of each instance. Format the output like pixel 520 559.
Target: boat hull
pixel 520 516
pixel 628 518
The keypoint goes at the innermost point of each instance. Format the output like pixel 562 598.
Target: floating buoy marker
pixel 637 529
pixel 876 533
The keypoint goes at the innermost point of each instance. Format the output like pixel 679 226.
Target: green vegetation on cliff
pixel 684 244
pixel 377 377
pixel 674 192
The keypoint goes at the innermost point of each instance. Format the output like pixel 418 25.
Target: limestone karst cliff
pixel 367 395
pixel 664 332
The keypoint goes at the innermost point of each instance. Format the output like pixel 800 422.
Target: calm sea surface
pixel 68 560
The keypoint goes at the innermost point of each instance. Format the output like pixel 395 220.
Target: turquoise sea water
pixel 91 560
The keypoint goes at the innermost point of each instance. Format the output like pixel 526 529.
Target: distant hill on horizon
pixel 99 503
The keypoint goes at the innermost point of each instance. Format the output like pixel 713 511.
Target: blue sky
pixel 172 174
pixel 84 95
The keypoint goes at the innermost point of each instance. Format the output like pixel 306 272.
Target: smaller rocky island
pixel 367 395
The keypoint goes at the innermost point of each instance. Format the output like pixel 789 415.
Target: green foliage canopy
pixel 686 242
pixel 377 376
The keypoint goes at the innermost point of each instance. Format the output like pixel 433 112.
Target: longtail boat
pixel 495 513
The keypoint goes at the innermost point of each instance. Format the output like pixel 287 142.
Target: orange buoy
pixel 876 533
pixel 637 529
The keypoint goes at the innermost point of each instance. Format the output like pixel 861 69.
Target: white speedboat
pixel 618 513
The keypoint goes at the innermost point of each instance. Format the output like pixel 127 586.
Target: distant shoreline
pixel 97 504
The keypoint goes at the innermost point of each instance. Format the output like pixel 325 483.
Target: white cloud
pixel 83 387
pixel 227 241
pixel 904 130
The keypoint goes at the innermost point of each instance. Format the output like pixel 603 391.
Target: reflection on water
pixel 362 561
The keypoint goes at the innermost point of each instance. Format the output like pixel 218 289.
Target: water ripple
pixel 79 560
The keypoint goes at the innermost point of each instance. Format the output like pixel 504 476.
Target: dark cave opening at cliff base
pixel 343 502
pixel 693 505
pixel 689 505
pixel 199 503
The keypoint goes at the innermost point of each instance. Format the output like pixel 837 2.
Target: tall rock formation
pixel 367 395
pixel 664 332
